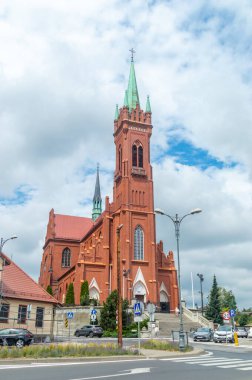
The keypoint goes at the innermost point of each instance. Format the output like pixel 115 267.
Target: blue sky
pixel 62 71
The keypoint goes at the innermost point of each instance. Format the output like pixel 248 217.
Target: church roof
pixel 19 285
pixel 71 227
pixel 132 91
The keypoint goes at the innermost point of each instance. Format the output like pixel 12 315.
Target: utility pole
pixel 201 277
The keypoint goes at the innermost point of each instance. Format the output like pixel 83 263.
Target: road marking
pixel 214 361
pixel 245 369
pixel 188 357
pixel 59 364
pixel 133 371
pixel 224 362
pixel 243 364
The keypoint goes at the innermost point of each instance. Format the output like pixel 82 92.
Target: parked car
pixel 203 334
pixel 89 330
pixel 241 332
pixel 15 337
pixel 250 332
pixel 224 334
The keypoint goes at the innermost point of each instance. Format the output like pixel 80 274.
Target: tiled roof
pixel 17 284
pixel 71 227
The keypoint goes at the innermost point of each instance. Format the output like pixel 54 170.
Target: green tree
pixel 49 290
pixel 213 310
pixel 84 294
pixel 243 319
pixel 70 295
pixel 108 312
pixel 227 299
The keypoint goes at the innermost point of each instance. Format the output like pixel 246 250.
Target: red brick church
pixel 82 248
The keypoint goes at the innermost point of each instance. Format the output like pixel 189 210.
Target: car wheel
pixel 91 335
pixel 195 340
pixel 20 343
pixel 77 334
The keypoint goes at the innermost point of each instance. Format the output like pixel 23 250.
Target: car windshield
pixel 224 328
pixel 203 329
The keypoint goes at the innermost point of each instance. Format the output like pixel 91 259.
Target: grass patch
pixel 162 345
pixel 63 350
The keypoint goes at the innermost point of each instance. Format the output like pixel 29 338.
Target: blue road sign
pixel 232 313
pixel 137 309
pixel 93 311
pixel 70 315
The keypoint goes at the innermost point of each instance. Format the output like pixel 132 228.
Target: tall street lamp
pixel 177 221
pixel 201 277
pixel 119 288
pixel 2 242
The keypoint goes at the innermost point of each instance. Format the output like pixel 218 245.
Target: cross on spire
pixel 132 54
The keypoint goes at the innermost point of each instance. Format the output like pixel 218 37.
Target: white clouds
pixel 63 67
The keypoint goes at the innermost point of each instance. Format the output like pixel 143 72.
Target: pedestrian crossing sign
pixel 137 309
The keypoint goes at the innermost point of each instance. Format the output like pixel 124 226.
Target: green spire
pixel 132 92
pixel 97 201
pixel 148 107
pixel 116 113
pixel 126 103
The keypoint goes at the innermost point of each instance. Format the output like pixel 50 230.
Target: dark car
pixel 15 337
pixel 203 334
pixel 89 330
pixel 241 332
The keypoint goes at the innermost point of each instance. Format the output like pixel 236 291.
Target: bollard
pixel 236 339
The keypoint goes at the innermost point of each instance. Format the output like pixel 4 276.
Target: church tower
pixel 97 201
pixel 133 194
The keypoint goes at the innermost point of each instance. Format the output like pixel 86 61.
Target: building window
pixel 140 156
pixel 22 312
pixel 66 258
pixel 39 317
pixel 138 243
pixel 134 155
pixel 4 313
pixel 137 155
pixel 120 158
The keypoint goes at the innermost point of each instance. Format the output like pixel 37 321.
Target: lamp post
pixel 119 289
pixel 201 277
pixel 2 242
pixel 177 221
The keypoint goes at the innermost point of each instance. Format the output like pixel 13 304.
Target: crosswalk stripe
pixel 245 369
pixel 214 361
pixel 243 364
pixel 216 364
pixel 187 358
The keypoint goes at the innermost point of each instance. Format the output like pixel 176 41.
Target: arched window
pixel 138 243
pixel 120 158
pixel 134 155
pixel 137 155
pixel 140 156
pixel 66 258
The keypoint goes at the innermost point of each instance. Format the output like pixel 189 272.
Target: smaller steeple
pixel 126 102
pixel 148 107
pixel 97 201
pixel 116 113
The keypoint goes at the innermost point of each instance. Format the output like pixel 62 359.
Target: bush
pixel 84 294
pixel 70 295
pixel 162 345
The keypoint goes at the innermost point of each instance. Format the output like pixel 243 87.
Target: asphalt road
pixel 219 364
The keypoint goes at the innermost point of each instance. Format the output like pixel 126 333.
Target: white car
pixel 224 334
pixel 250 333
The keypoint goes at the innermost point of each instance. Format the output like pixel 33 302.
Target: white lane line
pixel 133 371
pixel 245 369
pixel 244 364
pixel 59 364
